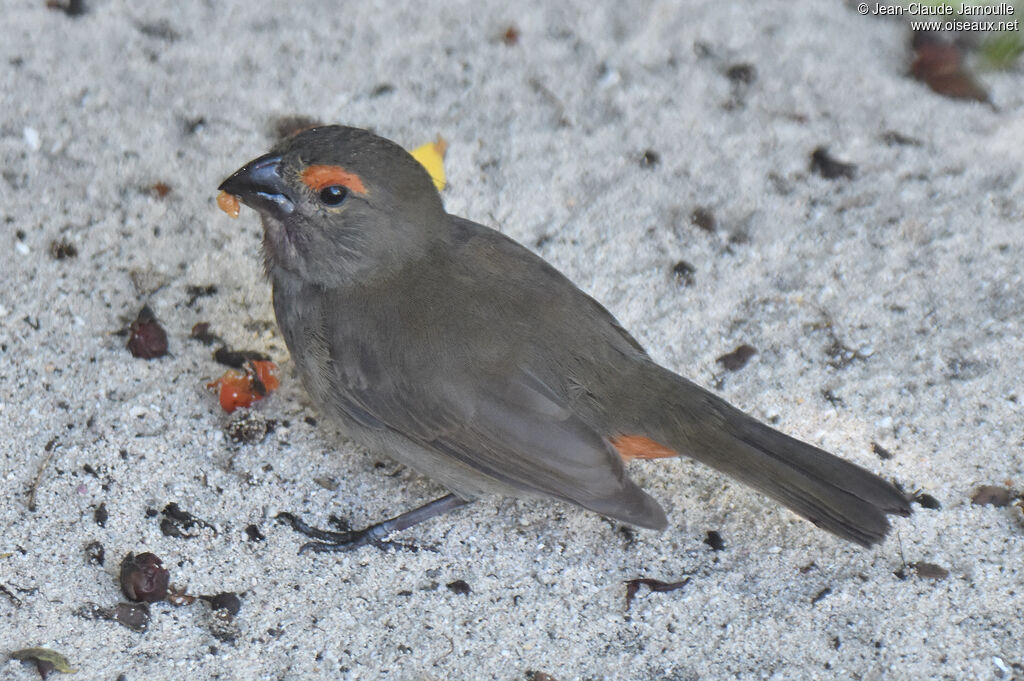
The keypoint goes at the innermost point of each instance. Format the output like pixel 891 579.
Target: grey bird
pixel 460 353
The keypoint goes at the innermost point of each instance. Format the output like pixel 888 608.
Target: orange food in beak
pixel 228 203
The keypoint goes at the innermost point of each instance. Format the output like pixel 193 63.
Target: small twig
pixel 451 649
pixel 50 448
pixel 552 99
pixel 10 595
pixel 633 585
pixel 902 572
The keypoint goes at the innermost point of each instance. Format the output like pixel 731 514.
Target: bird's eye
pixel 333 195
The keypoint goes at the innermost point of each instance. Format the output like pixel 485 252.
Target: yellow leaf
pixel 431 157
pixel 45 656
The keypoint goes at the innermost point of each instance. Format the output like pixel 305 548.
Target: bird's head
pixel 340 205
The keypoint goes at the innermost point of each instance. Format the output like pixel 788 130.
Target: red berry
pixel 267 373
pixel 241 388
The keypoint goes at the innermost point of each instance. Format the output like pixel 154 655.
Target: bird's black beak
pixel 258 184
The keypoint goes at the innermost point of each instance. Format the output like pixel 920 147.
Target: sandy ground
pixel 914 265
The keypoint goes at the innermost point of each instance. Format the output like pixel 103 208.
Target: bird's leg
pixel 375 535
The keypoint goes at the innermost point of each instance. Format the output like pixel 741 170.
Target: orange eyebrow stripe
pixel 318 177
pixel 640 447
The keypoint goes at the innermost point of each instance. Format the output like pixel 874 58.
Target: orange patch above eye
pixel 319 177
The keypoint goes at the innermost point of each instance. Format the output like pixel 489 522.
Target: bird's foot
pixel 344 539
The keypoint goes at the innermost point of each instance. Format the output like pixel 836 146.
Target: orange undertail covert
pixel 640 447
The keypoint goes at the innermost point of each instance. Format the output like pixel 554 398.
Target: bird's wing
pixel 511 428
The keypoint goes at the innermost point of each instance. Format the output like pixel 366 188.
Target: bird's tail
pixel 832 493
